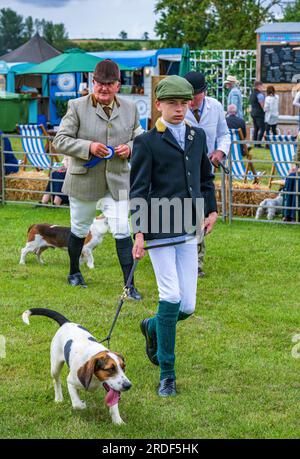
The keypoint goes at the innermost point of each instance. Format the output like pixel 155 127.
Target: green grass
pixel 235 372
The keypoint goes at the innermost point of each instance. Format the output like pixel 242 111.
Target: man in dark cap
pixel 91 125
pixel 170 164
pixel 207 113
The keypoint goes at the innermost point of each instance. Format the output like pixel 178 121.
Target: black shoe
pixel 76 279
pixel 201 273
pixel 133 294
pixel 151 343
pixel 167 388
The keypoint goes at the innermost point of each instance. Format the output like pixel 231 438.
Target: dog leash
pixel 128 284
pixel 225 169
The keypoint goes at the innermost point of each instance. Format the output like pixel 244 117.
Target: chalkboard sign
pixel 280 64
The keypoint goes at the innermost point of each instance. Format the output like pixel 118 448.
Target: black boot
pixel 124 251
pixel 74 248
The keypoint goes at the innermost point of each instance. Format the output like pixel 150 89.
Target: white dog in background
pixel 269 207
pixel 41 237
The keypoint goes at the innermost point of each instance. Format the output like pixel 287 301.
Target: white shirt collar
pixel 173 126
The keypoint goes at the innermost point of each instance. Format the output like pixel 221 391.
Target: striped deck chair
pixel 239 170
pixel 279 153
pixel 33 146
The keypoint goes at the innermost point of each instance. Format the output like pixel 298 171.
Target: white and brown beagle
pixel 91 365
pixel 43 236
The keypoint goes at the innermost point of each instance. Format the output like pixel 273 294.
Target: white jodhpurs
pixel 83 214
pixel 176 272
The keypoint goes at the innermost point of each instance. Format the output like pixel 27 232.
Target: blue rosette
pixel 96 160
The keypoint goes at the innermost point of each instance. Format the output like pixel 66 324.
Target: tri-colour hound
pixel 43 236
pixel 91 364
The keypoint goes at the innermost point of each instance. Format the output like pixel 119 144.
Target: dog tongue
pixel 112 397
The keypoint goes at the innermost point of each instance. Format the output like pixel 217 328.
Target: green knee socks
pixel 162 327
pixel 152 323
pixel 166 319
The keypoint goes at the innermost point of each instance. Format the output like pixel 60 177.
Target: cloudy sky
pixel 92 18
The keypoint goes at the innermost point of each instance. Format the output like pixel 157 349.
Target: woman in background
pixel 271 109
pixel 296 97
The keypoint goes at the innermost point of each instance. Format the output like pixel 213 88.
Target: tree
pixel 123 35
pixel 55 34
pixel 182 21
pixel 28 28
pixel 212 23
pixel 292 12
pixel 236 22
pixel 145 36
pixel 38 25
pixel 11 28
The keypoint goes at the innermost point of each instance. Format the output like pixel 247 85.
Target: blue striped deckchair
pixel 33 146
pixel 238 168
pixel 281 152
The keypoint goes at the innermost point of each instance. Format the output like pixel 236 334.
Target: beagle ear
pixel 87 370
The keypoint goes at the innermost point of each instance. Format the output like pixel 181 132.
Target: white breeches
pixel 83 214
pixel 176 272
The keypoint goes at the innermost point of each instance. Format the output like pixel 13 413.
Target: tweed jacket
pixel 160 168
pixel 86 122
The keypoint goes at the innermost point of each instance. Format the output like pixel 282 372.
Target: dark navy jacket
pixel 12 165
pixel 161 169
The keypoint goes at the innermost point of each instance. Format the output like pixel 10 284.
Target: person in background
pixel 257 100
pixel 296 97
pixel 11 164
pixel 271 108
pixel 292 185
pixel 233 121
pixel 91 125
pixel 207 113
pixel 234 96
pixel 57 178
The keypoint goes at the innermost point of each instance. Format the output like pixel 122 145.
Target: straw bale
pixel 246 197
pixel 23 180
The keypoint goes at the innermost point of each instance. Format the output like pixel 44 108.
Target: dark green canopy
pixel 73 60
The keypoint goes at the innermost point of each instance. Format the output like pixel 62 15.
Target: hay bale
pixel 31 181
pixel 246 197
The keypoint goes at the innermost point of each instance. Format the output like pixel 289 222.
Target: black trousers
pixel 271 127
pixel 259 128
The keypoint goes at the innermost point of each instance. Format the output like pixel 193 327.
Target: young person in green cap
pixel 170 162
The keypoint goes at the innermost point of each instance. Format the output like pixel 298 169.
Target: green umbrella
pixel 73 60
pixel 185 65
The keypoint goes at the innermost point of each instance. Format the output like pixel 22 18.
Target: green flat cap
pixel 174 87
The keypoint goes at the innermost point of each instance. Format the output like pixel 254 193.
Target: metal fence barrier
pixel 229 190
pixel 38 184
pixel 265 191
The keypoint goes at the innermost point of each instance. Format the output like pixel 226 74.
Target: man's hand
pixel 216 157
pixel 210 221
pixel 99 149
pixel 138 251
pixel 123 151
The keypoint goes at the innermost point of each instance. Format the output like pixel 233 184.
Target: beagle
pixel 43 236
pixel 91 365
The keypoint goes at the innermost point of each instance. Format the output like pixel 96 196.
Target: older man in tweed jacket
pixel 90 125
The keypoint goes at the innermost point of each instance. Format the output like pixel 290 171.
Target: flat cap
pixel 174 87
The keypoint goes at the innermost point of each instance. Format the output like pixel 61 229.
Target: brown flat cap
pixel 107 71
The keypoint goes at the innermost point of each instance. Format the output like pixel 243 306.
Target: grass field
pixel 235 373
